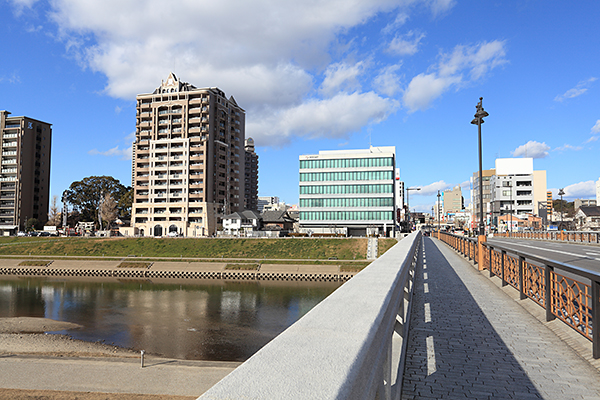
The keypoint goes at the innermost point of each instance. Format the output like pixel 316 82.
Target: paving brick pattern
pixel 468 339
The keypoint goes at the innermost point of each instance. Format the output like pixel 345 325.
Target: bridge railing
pixel 555 286
pixel 352 345
pixel 564 236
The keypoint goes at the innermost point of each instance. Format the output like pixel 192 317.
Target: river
pixel 213 320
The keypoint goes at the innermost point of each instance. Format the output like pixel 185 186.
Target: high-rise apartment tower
pixel 251 177
pixel 188 160
pixel 25 171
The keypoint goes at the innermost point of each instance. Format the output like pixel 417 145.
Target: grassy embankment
pixel 349 253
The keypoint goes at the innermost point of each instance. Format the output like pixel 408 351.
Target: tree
pixel 33 224
pixel 85 195
pixel 54 215
pixel 124 203
pixel 108 210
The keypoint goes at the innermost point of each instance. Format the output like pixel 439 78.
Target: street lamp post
pixel 438 210
pixel 407 205
pixel 478 120
pixel 511 209
pixel 561 192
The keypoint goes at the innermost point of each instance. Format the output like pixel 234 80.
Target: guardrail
pixel 574 302
pixel 564 236
pixel 352 345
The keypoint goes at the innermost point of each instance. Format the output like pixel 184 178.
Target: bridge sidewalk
pixel 469 339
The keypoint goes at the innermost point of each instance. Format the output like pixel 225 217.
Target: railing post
pixel 480 252
pixel 548 270
pixel 491 258
pixel 504 283
pixel 521 283
pixel 595 320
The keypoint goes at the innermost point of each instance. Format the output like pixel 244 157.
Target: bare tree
pixel 54 214
pixel 109 210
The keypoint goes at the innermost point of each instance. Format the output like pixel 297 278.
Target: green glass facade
pixel 345 215
pixel 345 176
pixel 347 189
pixel 353 189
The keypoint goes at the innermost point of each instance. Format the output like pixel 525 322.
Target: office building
pixel 348 191
pixel 452 201
pixel 578 203
pixel 188 160
pixel 25 172
pixel 267 201
pixel 486 175
pixel 250 176
pixel 517 189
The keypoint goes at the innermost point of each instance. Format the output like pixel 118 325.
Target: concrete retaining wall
pixel 176 270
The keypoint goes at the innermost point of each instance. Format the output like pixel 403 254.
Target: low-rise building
pixel 241 223
pixel 587 218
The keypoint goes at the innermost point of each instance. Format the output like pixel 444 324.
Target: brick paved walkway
pixel 468 339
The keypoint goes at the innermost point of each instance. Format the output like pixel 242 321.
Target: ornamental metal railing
pixel 567 292
pixel 352 345
pixel 563 236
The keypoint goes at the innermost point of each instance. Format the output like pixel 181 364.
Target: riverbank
pixel 26 336
pixel 40 366
pixel 167 269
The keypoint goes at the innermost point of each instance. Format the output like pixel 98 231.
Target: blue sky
pixel 319 75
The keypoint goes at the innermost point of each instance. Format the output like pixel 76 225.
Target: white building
pixel 516 188
pixel 349 189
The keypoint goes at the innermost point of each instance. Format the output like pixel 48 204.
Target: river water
pixel 213 320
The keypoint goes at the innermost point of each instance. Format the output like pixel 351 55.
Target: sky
pixel 320 75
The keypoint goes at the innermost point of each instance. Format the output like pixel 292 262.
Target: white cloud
pixel 271 56
pixel 581 190
pixel 123 154
pixel 432 188
pixel 578 90
pixel 400 20
pixel 568 147
pixel 475 61
pixel 596 127
pixel 532 149
pixel 20 5
pixel 423 89
pixel 407 44
pixel 342 77
pixel 592 139
pixel 388 80
pixel 334 118
pixel 439 7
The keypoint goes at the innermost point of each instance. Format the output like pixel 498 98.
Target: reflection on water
pixel 215 320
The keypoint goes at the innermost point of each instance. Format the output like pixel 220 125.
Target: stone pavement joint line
pixel 473 341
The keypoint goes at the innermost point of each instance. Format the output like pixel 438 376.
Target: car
pixel 21 234
pixel 33 234
pixel 173 234
pixel 44 233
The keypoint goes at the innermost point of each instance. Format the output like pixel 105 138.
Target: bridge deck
pixel 470 339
